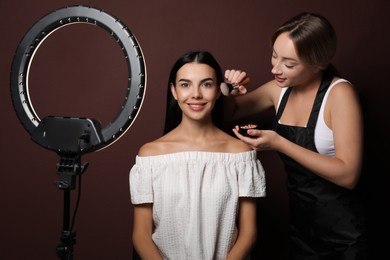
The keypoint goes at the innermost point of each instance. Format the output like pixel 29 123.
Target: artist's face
pixel 196 90
pixel 287 68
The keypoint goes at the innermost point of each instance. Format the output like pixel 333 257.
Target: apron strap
pixel 325 83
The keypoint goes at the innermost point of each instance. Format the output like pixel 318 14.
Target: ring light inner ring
pixel 56 20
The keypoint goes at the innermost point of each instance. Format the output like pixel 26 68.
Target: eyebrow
pixel 287 58
pixel 203 80
pixel 290 59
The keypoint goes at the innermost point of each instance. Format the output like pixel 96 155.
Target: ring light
pixel 64 134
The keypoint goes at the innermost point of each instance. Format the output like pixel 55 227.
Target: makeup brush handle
pixel 246 80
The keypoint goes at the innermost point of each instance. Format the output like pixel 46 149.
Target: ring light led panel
pixel 19 84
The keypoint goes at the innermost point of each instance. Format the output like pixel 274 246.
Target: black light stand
pixel 70 137
pixel 69 167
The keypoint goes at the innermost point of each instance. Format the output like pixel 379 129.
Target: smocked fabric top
pixel 195 198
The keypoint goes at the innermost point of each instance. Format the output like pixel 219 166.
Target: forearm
pixel 146 248
pixel 142 233
pixel 247 231
pixel 242 247
pixel 333 169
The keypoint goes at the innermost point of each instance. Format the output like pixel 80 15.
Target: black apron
pixel 326 220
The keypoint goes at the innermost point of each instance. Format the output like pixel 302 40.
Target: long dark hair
pixel 173 113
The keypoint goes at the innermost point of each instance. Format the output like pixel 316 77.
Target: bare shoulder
pixel 343 91
pixel 235 145
pixel 156 147
pixel 146 149
pixel 343 84
pixel 172 143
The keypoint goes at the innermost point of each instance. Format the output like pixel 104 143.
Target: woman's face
pixel 196 90
pixel 287 68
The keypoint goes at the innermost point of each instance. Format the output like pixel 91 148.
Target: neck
pixel 311 84
pixel 196 130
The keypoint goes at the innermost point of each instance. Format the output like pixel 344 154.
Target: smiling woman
pixel 318 133
pixel 195 90
pixel 194 189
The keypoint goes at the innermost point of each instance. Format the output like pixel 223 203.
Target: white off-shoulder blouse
pixel 195 199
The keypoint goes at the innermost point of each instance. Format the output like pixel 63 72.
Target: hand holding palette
pixel 243 129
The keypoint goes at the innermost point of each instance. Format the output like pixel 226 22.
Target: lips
pixel 279 79
pixel 196 106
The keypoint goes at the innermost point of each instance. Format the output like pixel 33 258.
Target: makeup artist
pixel 317 132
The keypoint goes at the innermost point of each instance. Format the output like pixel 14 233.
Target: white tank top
pixel 323 135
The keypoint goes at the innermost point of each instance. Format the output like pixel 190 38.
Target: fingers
pixel 241 90
pixel 246 139
pixel 254 141
pixel 229 89
pixel 251 133
pixel 235 81
pixel 236 77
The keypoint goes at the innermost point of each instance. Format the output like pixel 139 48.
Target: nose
pixel 196 92
pixel 276 68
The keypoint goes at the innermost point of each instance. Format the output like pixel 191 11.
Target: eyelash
pixel 286 65
pixel 205 84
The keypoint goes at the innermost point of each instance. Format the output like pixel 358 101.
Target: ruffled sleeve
pixel 251 178
pixel 140 179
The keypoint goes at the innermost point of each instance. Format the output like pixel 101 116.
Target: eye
pixel 184 84
pixel 289 66
pixel 208 84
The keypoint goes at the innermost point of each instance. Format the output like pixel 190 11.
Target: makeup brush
pixel 227 88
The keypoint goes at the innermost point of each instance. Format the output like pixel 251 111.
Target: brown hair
pixel 313 36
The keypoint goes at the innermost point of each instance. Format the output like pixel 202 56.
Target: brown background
pixel 79 71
